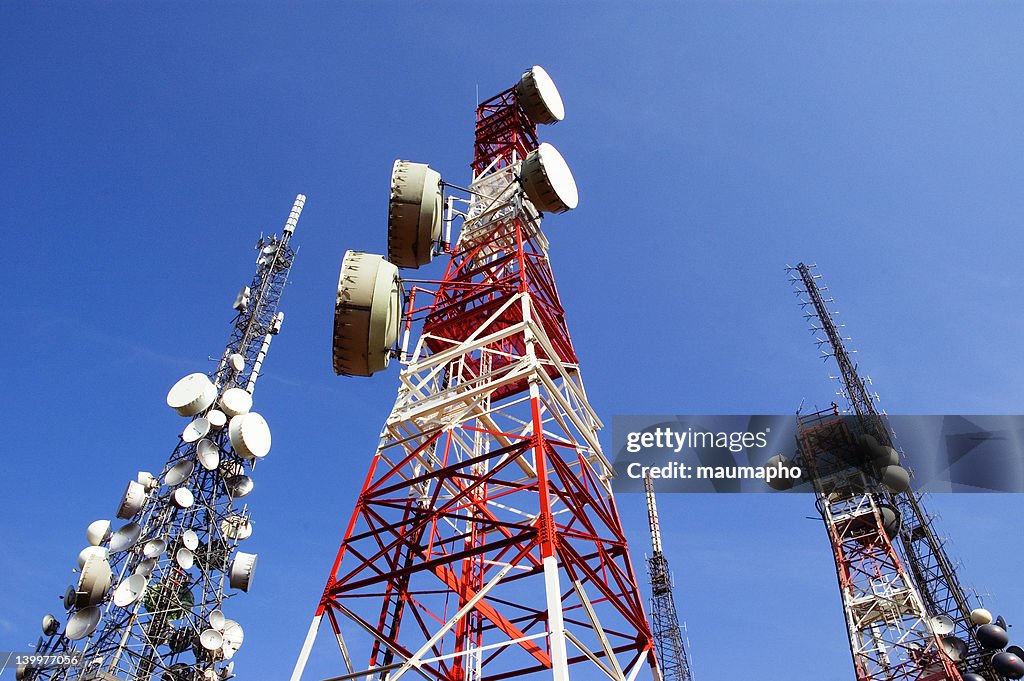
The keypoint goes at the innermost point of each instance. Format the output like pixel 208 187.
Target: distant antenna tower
pixel 149 601
pixel 485 543
pixel 668 636
pixel 869 524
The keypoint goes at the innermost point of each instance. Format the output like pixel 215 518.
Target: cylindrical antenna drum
pixel 414 214
pixel 539 97
pixel 547 180
pixel 367 313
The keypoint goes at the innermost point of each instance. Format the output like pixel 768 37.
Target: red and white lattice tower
pixel 485 543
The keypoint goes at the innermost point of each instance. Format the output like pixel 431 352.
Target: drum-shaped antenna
pixel 133 500
pixel 185 558
pixel 250 435
pixel 88 552
pixel 211 640
pixel 93 581
pixel 217 620
pixel 990 636
pixel 548 181
pixel 154 548
pixel 414 213
pixel 780 482
pixel 896 478
pixel 241 570
pixel 191 395
pixel 539 97
pixel 1009 665
pixel 83 623
pixel 217 419
pixel 235 401
pixel 367 313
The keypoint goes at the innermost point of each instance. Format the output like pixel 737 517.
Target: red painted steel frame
pixel 422 559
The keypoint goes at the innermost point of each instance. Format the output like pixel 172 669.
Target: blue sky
pixel 144 148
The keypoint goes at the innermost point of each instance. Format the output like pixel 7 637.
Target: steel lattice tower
pixel 889 628
pixel 668 635
pixel 929 569
pixel 485 543
pixel 150 602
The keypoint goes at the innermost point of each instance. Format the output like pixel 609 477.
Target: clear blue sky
pixel 144 147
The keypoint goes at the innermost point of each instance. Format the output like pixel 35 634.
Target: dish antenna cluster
pixel 149 601
pixel 485 543
pixel 369 303
pixel 907 615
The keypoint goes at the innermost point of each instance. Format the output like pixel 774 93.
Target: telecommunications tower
pixel 668 635
pixel 149 602
pixel 907 615
pixel 485 543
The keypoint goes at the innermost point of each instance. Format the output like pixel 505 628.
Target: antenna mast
pixel 668 636
pixel 485 544
pixel 930 571
pixel 149 601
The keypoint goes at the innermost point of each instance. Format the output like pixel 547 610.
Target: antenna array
pixel 150 599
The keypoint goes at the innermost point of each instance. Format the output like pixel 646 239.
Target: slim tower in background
pixel 668 635
pixel 149 602
pixel 907 614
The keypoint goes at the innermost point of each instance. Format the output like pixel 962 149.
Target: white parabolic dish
pixel 183 497
pixel 125 537
pixel 217 619
pixel 217 418
pixel 192 394
pixel 130 591
pixel 179 472
pixel 208 454
pixel 190 540
pixel 98 532
pixel 547 180
pixel 211 639
pixel 250 435
pixel 185 558
pixel 83 623
pixel 196 430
